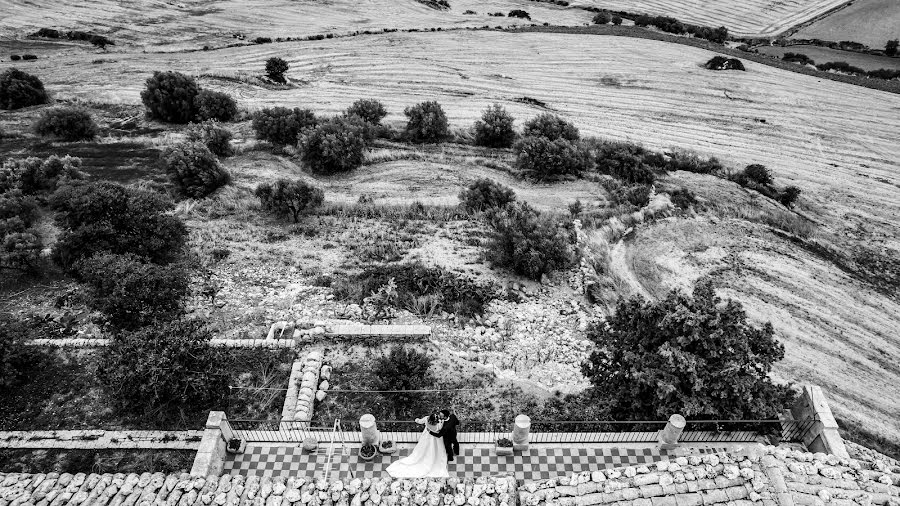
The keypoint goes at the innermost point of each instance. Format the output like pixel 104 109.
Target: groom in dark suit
pixel 448 432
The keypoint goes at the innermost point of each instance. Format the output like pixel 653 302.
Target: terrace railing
pixel 541 432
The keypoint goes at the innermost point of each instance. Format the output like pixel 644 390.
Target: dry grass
pixel 872 22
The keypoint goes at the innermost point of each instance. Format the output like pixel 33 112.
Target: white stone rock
pixel 599 477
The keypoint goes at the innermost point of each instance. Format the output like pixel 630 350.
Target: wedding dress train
pixel 427 460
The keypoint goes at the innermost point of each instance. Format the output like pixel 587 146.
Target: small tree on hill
pixel 280 125
pixel 550 126
pixel 289 198
pixel 19 89
pixel 194 169
pixel 275 69
pixel 495 129
pixel 66 123
pixel 426 122
pixel 163 367
pixel 601 18
pixel 336 145
pixel 758 174
pixel 484 194
pixel 371 111
pixel 215 105
pixel 696 356
pixel 169 97
pixel 527 242
pixel 891 47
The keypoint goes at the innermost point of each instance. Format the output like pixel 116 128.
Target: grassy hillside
pixel 871 22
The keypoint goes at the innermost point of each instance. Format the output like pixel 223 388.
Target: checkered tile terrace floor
pixel 535 464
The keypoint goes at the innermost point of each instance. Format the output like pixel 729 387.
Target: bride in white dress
pixel 429 457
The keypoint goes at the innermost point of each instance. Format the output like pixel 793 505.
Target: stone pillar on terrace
pixel 369 429
pixel 668 437
pixel 210 457
pixel 520 431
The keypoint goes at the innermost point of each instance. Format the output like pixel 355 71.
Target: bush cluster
pixel 164 367
pixel 169 96
pixel 212 135
pixel 281 126
pixel 215 105
pixel 758 177
pixel 527 242
pixel 414 282
pixel 543 158
pixel 19 89
pixel 495 129
pixel 798 58
pixel 601 18
pixel 15 355
pixel 484 194
pixel 131 292
pixel 692 162
pixel 519 13
pixel 23 184
pixel 672 25
pixel 722 63
pixel 371 111
pixel 551 127
pixel 335 145
pixel 683 198
pixel 194 169
pixel 628 162
pixel 289 198
pixel 108 217
pixel 426 122
pixel 840 66
pixel 66 123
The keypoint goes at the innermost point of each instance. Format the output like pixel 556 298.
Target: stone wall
pixel 303 387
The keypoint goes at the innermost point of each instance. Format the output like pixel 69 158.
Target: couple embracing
pixel 436 447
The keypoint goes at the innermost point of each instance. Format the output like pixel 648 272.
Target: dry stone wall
pixel 303 386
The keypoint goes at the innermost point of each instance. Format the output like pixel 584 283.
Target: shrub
pixel 698 356
pixel 105 216
pixel 14 353
pixel 371 111
pixel 280 125
pixel 526 242
pixel 550 126
pixel 165 367
pixel 336 145
pixel 170 97
pixel 722 63
pixel 519 13
pixel 212 135
pixel 20 251
pixel 131 292
pixel 469 11
pixel 683 198
pixel 215 105
pixel 263 40
pixel 19 89
pixel 34 176
pixel 29 57
pixel 15 57
pixel 402 368
pixel 601 18
pixel 289 198
pixel 426 122
pixel 547 159
pixel 788 197
pixel 194 169
pixel 628 162
pixel 840 66
pixel 495 129
pixel 275 69
pixel 691 162
pixel 643 20
pixel 758 174
pixel 484 194
pixel 67 123
pixel 617 20
pixel 798 58
pixel 890 48
pixel 17 211
pixel 637 195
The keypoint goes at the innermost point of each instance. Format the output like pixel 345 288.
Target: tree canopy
pixel 696 356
